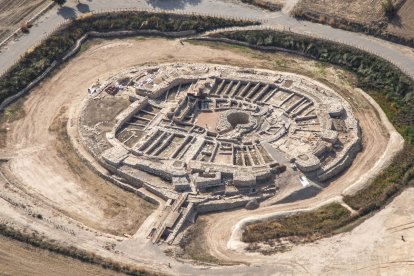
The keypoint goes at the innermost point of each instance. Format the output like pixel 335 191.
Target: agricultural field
pixel 13 13
pixel 366 16
pixel 359 11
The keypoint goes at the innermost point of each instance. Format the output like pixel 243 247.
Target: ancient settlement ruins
pixel 211 137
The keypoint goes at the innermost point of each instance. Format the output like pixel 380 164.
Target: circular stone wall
pixel 238 118
pixel 201 126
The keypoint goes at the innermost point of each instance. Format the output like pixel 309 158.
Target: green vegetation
pixel 388 7
pixel 375 75
pixel 394 92
pixel 56 45
pixel 13 112
pixel 71 251
pixel 309 225
pixel 387 184
pixel 320 70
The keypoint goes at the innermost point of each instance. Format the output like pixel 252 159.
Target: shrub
pixel 308 224
pixel 388 7
pixel 387 184
pixel 393 90
pixel 379 77
pixel 56 45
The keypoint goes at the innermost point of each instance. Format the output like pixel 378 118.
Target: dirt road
pixel 380 142
pixel 44 175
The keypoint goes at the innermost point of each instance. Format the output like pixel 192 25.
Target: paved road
pixel 400 55
pixel 403 56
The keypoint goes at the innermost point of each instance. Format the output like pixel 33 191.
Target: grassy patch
pixel 86 45
pixel 13 112
pixel 307 225
pixel 387 184
pixel 394 92
pixel 280 63
pixel 37 60
pixel 320 69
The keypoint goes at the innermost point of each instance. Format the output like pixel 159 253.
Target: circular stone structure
pixel 212 137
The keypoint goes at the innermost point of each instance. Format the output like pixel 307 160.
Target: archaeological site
pixel 206 138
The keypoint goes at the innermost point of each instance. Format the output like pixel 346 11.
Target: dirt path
pixel 289 6
pixel 376 153
pixel 41 171
pixel 375 247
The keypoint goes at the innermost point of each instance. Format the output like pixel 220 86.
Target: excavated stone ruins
pixel 213 137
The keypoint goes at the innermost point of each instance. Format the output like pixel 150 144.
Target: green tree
pixel 388 7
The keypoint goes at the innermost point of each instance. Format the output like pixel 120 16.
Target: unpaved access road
pixel 402 56
pixel 38 169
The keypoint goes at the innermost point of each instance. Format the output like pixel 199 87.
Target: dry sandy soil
pixel 361 11
pixel 13 13
pixel 38 175
pixel 40 152
pixel 18 258
pixel 373 248
pixel 403 23
pixel 375 140
pixel 285 5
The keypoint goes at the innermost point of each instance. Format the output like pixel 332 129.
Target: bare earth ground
pixel 286 5
pixel 18 258
pixel 375 139
pixel 373 248
pixel 362 11
pixel 69 185
pixel 39 176
pixel 15 12
pixel 403 23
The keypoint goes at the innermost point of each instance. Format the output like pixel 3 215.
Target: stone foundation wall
pixel 221 205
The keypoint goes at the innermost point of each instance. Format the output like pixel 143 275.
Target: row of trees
pixel 391 88
pixel 373 72
pixel 55 46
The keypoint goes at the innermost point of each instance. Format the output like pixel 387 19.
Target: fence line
pixel 187 13
pixel 120 10
pixel 318 37
pixel 77 47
